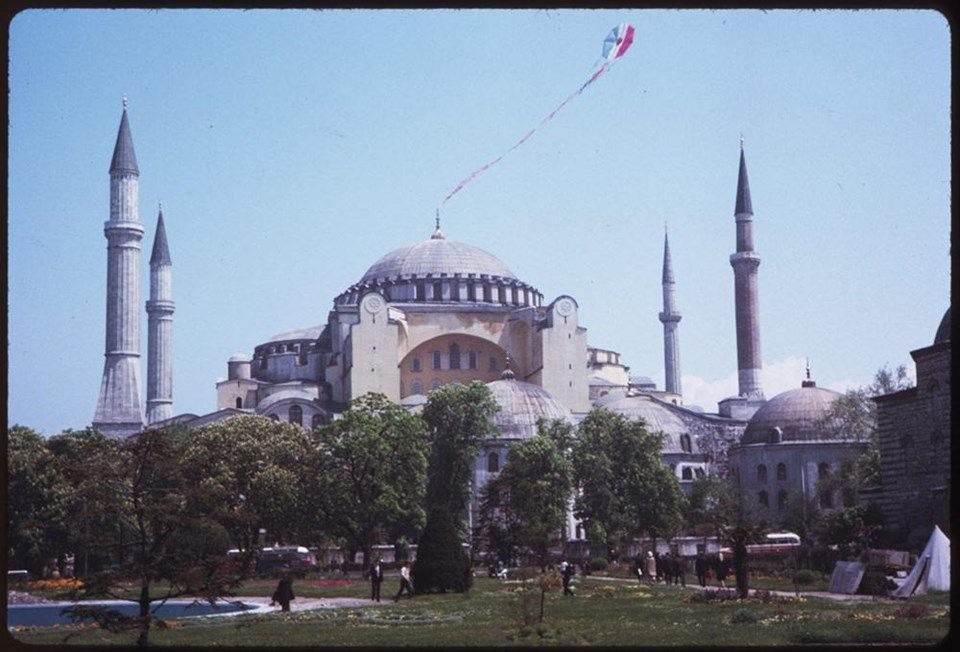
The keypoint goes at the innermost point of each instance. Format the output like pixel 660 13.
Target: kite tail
pixel 526 137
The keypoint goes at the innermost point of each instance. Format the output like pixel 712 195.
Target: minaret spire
pixel 437 234
pixel 160 329
pixel 119 410
pixel 670 317
pixel 746 296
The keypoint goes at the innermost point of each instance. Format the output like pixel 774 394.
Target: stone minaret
pixel 119 410
pixel 160 329
pixel 745 263
pixel 670 318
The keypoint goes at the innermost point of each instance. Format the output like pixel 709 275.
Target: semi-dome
pixel 434 257
pixel 521 405
pixel 943 331
pixel 793 415
pixel 657 416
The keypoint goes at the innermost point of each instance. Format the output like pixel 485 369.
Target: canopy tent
pixel 932 570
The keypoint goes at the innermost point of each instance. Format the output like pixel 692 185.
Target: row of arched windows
pixel 455 359
pixel 763 498
pixel 762 472
pixel 295 416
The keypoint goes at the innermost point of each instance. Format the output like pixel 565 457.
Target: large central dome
pixel 434 257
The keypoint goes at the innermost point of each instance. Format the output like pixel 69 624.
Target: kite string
pixel 482 168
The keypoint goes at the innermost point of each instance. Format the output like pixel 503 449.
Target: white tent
pixel 932 570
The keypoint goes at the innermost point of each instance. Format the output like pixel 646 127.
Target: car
pixel 297 559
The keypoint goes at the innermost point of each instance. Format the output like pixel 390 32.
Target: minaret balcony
pixel 666 317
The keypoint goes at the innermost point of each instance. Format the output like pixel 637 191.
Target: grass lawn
pixel 497 613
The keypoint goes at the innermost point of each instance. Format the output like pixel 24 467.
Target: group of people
pixel 376 579
pixel 672 569
pixel 283 594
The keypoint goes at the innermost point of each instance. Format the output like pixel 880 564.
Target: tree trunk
pixel 144 601
pixel 740 569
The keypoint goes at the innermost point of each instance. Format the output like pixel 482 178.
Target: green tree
pixel 170 549
pixel 372 465
pixel 528 500
pixel 248 474
pixel 90 534
pixel 458 422
pixel 37 497
pixel 624 488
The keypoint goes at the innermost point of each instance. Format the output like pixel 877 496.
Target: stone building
pixel 787 448
pixel 426 314
pixel 913 428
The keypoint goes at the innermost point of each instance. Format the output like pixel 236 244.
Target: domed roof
pixel 657 416
pixel 943 331
pixel 239 357
pixel 437 256
pixel 521 405
pixel 793 415
pixel 311 333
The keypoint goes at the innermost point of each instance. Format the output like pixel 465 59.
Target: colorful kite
pixel 616 44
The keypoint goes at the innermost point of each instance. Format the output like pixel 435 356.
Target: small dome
pixel 239 357
pixel 437 256
pixel 657 416
pixel 311 333
pixel 793 415
pixel 943 331
pixel 521 405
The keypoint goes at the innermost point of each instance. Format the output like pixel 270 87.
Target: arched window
pixel 685 443
pixel 761 473
pixel 493 463
pixel 781 471
pixel 415 365
pixel 239 403
pixel 416 387
pixel 763 499
pixel 686 473
pixel 493 363
pixel 825 494
pixel 436 360
pixel 823 469
pixel 782 500
pixel 454 356
pixel 437 291
pixel 275 417
pixel 700 473
pixel 472 360
pixel 435 384
pixel 296 415
pixel 316 420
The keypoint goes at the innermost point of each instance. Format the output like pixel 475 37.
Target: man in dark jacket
pixel 376 579
pixel 284 592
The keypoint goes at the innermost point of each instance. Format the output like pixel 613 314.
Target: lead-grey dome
pixel 793 415
pixel 437 256
pixel 657 416
pixel 521 405
pixel 943 331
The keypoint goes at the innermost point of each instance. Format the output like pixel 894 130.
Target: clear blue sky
pixel 291 149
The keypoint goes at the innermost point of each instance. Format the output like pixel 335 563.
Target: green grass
pixel 604 613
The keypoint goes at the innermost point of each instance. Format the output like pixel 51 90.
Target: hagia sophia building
pixel 440 311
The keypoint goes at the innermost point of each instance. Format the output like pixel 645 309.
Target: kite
pixel 616 44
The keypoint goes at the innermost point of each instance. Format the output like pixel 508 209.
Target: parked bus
pixel 775 544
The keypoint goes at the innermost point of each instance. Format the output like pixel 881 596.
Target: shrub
pixel 441 563
pixel 743 615
pixel 599 563
pixel 804 577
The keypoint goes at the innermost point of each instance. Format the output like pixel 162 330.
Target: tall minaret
pixel 160 329
pixel 119 410
pixel 745 263
pixel 670 317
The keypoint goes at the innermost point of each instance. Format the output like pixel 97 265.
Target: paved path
pixel 303 604
pixel 789 594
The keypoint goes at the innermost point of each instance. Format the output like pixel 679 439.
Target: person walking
pixel 722 569
pixel 376 579
pixel 680 570
pixel 701 567
pixel 284 592
pixel 666 563
pixel 566 573
pixel 651 567
pixel 404 582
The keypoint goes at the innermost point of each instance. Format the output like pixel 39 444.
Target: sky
pixel 291 149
